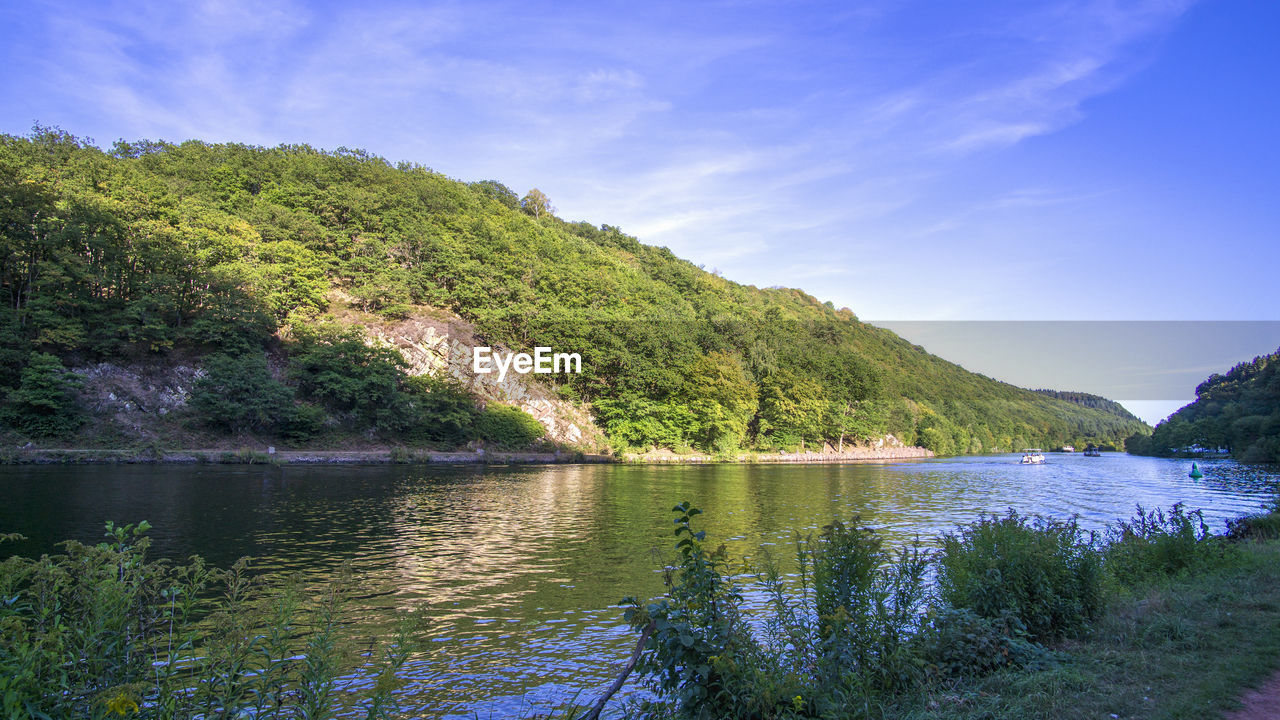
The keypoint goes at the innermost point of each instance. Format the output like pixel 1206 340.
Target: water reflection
pixel 519 568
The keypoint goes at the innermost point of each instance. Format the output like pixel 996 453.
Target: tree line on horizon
pixel 1238 412
pixel 238 255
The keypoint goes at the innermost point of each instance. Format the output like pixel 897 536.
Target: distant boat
pixel 1195 473
pixel 1092 451
pixel 1032 456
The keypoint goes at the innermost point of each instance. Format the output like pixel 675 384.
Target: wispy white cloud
pixel 739 137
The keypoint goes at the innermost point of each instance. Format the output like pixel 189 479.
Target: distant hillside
pixel 1239 411
pixel 1094 402
pixel 274 269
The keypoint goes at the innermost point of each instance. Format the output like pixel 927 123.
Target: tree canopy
pixel 152 248
pixel 1238 411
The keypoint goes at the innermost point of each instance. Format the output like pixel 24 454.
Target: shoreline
pixel 831 458
pixel 406 456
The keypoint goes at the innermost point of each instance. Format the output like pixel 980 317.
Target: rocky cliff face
pixel 131 397
pixel 137 399
pixel 440 344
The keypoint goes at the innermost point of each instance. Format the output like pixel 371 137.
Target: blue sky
pixel 910 160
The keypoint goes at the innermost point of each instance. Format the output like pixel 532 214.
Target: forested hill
pixel 1096 402
pixel 254 261
pixel 1239 411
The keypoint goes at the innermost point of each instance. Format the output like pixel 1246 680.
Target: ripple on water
pixel 520 569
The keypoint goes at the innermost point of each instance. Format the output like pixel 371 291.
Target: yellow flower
pixel 122 705
pixel 798 701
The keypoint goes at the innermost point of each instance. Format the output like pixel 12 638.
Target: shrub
pixel 239 394
pixel 335 368
pixel 44 403
pixel 443 410
pixel 1255 527
pixel 634 421
pixel 699 651
pixel 838 645
pixel 1156 543
pixel 508 427
pixel 957 642
pixel 1046 573
pixel 103 631
pixel 305 422
pixel 866 602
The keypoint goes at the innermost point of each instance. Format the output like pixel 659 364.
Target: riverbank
pixel 409 456
pixel 861 454
pixel 1159 620
pixel 1190 646
pixel 270 456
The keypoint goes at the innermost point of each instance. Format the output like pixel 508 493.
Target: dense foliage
pixel 104 631
pixel 508 427
pixel 238 394
pixel 1096 402
pixel 151 247
pixel 1239 412
pixel 43 404
pixel 855 632
pixel 1045 574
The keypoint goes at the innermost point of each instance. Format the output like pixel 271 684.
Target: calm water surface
pixel 519 569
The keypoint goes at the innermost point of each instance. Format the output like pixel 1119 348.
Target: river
pixel 520 568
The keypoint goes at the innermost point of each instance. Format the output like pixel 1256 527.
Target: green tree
pixel 536 204
pixel 722 399
pixel 44 403
pixel 858 420
pixel 238 394
pixel 791 410
pixel 497 191
pixel 335 367
pixel 635 421
pixel 443 411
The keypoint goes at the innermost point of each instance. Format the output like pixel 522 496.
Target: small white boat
pixel 1032 456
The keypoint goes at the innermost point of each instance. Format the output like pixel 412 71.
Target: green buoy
pixel 1195 472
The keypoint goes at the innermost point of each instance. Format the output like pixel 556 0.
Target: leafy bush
pixel 508 427
pixel 1156 543
pixel 44 403
pixel 103 631
pixel 443 410
pixel 334 367
pixel 1046 573
pixel 838 645
pixel 1255 527
pixel 237 393
pixel 866 602
pixel 957 642
pixel 635 421
pixel 698 653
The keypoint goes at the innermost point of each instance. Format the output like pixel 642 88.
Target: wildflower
pixel 798 702
pixel 122 705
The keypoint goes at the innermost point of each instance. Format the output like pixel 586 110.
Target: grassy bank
pixel 1180 647
pixel 1029 618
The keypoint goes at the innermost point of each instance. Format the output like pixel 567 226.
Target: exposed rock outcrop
pixel 131 396
pixel 441 344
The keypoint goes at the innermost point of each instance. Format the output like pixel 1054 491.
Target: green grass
pixel 1183 647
